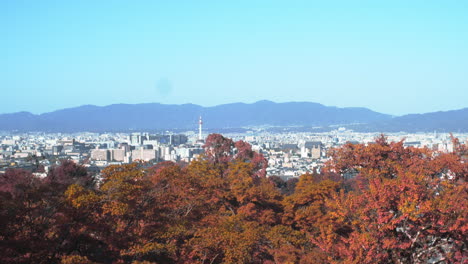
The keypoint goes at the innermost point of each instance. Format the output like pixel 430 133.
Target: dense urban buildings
pixel 289 154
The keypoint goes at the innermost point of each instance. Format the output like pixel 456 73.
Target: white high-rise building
pixel 200 123
pixel 200 140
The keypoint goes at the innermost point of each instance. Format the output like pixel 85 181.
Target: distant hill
pixel 155 116
pixel 443 121
pixel 304 115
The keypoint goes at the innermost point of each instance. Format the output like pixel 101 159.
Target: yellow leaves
pixel 80 197
pixel 280 235
pixel 306 207
pixel 231 237
pixel 128 171
pixel 207 175
pixel 408 209
pixel 123 186
pixel 123 180
pixel 75 259
pixel 143 249
pixel 115 208
pixel 74 190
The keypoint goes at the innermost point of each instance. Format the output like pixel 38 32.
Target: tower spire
pixel 200 123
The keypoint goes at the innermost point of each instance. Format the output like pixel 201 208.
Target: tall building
pixel 144 154
pixel 100 154
pixel 178 139
pixel 200 140
pixel 200 123
pixel 136 139
pixel 117 154
pixel 311 149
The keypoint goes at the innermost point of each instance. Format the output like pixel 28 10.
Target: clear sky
pixel 395 57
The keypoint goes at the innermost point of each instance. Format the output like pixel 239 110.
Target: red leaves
pixel 399 209
pixel 399 205
pixel 218 149
pixel 221 150
pixel 68 172
pixel 16 181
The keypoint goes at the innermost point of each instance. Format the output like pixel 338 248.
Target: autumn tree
pixel 68 172
pixel 36 223
pixel 375 203
pixel 123 213
pixel 221 150
pixel 410 206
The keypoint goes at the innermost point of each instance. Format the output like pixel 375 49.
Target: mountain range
pixel 156 116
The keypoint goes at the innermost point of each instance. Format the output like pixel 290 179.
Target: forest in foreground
pixel 395 204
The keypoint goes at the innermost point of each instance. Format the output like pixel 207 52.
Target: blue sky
pixel 394 57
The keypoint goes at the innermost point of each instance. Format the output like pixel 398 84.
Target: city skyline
pixel 233 131
pixel 396 57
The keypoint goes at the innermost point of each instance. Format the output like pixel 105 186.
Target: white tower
pixel 200 123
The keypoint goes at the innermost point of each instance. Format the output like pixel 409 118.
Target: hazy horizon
pixel 213 105
pixel 206 106
pixel 395 57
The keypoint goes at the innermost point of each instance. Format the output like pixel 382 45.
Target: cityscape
pixel 233 132
pixel 289 154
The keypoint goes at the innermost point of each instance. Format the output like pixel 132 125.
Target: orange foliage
pixel 410 206
pixel 389 204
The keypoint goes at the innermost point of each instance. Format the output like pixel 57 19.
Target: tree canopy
pixel 380 203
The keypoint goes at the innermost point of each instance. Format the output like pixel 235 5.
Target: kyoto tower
pixel 200 123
